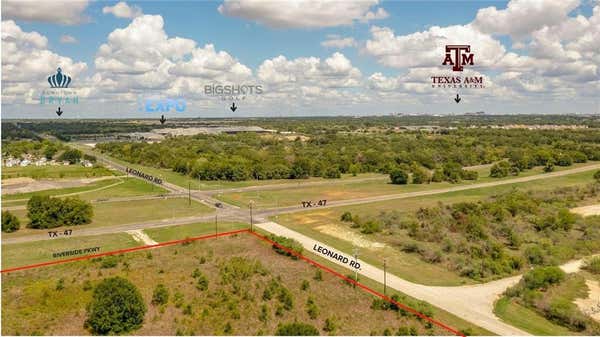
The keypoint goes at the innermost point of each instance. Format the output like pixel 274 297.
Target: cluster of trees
pixel 251 156
pixel 46 212
pixel 291 244
pixel 10 222
pixel 495 237
pixel 549 292
pixel 450 172
pixel 38 148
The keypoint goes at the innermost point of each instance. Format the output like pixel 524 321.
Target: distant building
pixel 25 162
pixel 87 163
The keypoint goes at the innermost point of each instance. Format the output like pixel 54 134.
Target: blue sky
pixel 382 71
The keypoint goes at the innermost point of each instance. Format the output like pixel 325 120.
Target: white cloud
pixel 56 11
pixel 122 10
pixel 303 13
pixel 427 48
pixel 26 62
pixel 335 41
pixel 522 17
pixel 65 38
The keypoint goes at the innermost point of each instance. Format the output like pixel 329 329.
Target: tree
pixel 542 277
pixel 421 176
pixel 399 177
pixel 90 158
pixel 500 170
pixel 47 212
pixel 71 155
pixel 296 329
pixel 117 307
pixel 160 295
pixel 10 223
pixel 597 176
pixel 346 217
pixel 333 173
pixel 549 167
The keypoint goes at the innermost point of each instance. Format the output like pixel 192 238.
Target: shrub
pixel 60 285
pixel 10 223
pixel 370 227
pixel 117 307
pixel 333 173
pixel 311 308
pixel 296 329
pixel 597 176
pixel 110 261
pixel 542 277
pixel 288 243
pixel 318 275
pixel 399 177
pixel 305 285
pixel 160 295
pixel 421 176
pixel 330 325
pixel 500 169
pixel 593 265
pixel 347 216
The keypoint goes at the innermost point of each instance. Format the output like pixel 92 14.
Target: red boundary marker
pixel 264 238
pixel 126 250
pixel 349 280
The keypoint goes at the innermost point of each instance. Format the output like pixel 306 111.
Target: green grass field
pixel 55 172
pixel 325 225
pixel 104 189
pixel 162 234
pixel 126 212
pixel 351 190
pixel 528 320
pixel 22 254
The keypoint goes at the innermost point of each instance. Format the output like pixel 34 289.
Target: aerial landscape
pixel 362 168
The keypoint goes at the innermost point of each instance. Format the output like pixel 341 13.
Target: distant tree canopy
pixel 47 212
pixel 10 223
pixel 117 307
pixel 38 148
pixel 252 156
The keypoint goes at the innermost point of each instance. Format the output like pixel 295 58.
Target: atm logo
pixel 458 56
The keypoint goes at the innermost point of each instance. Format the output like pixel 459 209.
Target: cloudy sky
pixel 309 57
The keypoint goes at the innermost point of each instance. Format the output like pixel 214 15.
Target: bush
pixel 296 329
pixel 330 325
pixel 346 217
pixel 593 265
pixel 288 243
pixel 10 223
pixel 421 176
pixel 597 176
pixel 500 170
pixel 370 227
pixel 333 173
pixel 117 307
pixel 542 277
pixel 160 295
pixel 110 261
pixel 399 177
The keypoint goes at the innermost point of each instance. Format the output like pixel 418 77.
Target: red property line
pixel 349 280
pixel 126 250
pixel 174 242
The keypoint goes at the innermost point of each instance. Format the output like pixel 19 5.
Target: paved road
pixel 474 303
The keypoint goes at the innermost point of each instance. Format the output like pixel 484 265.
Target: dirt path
pixel 27 185
pixel 587 210
pixel 474 303
pixel 139 236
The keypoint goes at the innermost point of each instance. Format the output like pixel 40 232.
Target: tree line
pixel 250 156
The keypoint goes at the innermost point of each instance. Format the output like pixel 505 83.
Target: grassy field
pixel 54 172
pixel 125 212
pixel 523 318
pixel 110 188
pixel 325 225
pixel 22 254
pixel 33 305
pixel 351 190
pixel 162 234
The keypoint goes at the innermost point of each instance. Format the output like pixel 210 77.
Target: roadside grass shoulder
pixel 513 313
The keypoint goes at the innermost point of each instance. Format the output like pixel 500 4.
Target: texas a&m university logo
pixel 462 56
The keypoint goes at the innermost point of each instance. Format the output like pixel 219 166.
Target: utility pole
pixel 355 269
pixel 251 224
pixel 189 193
pixel 216 226
pixel 384 277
